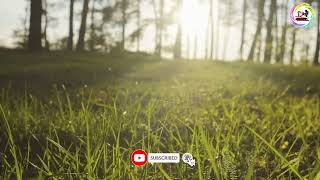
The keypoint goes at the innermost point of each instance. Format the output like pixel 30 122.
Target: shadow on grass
pixel 300 80
pixel 39 72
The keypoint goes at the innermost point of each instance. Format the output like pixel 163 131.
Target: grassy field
pixel 68 116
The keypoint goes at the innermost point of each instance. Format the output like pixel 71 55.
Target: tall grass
pixel 86 137
pixel 236 126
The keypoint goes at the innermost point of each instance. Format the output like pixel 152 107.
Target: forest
pixel 85 83
pixel 179 30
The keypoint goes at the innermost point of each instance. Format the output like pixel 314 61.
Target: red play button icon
pixel 139 157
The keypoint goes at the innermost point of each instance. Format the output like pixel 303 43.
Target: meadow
pixel 80 116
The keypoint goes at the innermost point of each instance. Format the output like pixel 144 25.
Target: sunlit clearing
pixel 193 17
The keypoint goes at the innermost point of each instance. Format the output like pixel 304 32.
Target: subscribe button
pixel 163 158
pixel 140 157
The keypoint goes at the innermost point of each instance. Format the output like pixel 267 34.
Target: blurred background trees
pixel 265 33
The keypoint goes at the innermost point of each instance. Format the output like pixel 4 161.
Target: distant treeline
pixel 268 47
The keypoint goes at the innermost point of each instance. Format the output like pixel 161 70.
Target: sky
pixel 10 14
pixel 193 18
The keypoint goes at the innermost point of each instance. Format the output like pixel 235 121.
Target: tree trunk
pixel 306 59
pixel 258 29
pixel 188 47
pixel 82 31
pixel 178 43
pixel 206 43
pixel 276 33
pixel 124 23
pixel 207 39
pixel 195 48
pixel 46 21
pixel 138 24
pixel 258 55
pixel 92 28
pixel 243 29
pixel 217 50
pixel 161 25
pixel 283 35
pixel 227 31
pixel 212 30
pixel 269 38
pixel 34 43
pixel 156 19
pixel 293 44
pixel 70 37
pixel 316 56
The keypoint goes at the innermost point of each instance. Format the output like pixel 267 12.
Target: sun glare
pixel 193 17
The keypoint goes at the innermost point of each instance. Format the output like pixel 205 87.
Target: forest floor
pixel 80 116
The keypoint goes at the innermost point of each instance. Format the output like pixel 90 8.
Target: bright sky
pixel 193 18
pixel 10 14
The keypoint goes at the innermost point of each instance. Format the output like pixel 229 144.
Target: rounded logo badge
pixel 302 15
pixel 139 157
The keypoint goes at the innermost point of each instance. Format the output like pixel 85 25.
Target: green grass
pixel 69 116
